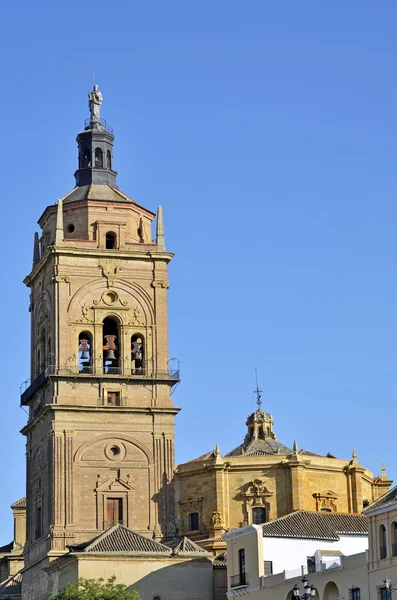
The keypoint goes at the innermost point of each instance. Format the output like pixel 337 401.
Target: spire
pixel 354 455
pixel 295 447
pixel 384 474
pixel 36 249
pixel 160 229
pixel 218 458
pixel 217 450
pixel 59 225
pixel 258 392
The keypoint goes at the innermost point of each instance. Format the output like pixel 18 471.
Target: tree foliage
pixel 96 589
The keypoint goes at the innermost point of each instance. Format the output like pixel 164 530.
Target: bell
pixel 110 355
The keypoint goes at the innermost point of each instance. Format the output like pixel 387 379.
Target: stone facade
pixel 262 480
pixel 100 434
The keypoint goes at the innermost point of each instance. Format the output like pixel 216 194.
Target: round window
pixel 115 450
pixel 70 228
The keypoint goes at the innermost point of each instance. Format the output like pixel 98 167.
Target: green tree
pixel 96 589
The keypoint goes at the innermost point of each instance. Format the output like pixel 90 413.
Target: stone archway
pixel 331 591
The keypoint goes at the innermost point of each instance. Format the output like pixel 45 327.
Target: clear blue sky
pixel 267 130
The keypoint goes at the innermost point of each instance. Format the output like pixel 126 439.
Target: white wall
pixel 289 554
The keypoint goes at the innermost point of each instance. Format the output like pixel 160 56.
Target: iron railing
pixel 102 123
pixel 146 371
pixel 238 580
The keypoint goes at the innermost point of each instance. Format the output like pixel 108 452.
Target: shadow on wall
pixel 165 500
pixel 190 580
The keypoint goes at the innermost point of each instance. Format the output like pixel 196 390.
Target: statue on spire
pixel 94 104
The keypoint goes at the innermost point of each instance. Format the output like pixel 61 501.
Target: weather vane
pixel 258 392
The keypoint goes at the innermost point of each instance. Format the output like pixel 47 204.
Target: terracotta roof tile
pixel 389 498
pixel 206 456
pixel 220 560
pixel 186 546
pixel 119 539
pixel 11 587
pixel 19 503
pixel 316 525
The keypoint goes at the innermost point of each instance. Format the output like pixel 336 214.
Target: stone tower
pixel 100 434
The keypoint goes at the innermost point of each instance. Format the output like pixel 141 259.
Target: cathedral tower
pixel 100 434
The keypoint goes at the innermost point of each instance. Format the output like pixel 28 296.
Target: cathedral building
pixel 103 495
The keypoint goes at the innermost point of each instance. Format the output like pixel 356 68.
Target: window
pixel 382 542
pixel 241 566
pixel 268 567
pixel 98 158
pixel 85 357
pixel 70 228
pixel 111 354
pixel 193 522
pixel 137 354
pixel 109 159
pixel 326 510
pixel 394 539
pixel 354 593
pixel 86 158
pixel 113 398
pixel 110 241
pixel 311 564
pixel 258 515
pixel 114 511
pixel 39 523
pixel 384 593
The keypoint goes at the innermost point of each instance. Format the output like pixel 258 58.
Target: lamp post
pixel 388 586
pixel 309 591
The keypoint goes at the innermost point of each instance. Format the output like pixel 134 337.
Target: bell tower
pixel 100 433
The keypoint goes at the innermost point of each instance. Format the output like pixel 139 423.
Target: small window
pixel 311 564
pixel 110 241
pixel 268 567
pixel 98 158
pixel 70 228
pixel 354 593
pixel 193 522
pixel 86 158
pixel 328 510
pixel 382 542
pixel 113 398
pixel 109 159
pixel 259 515
pixel 384 593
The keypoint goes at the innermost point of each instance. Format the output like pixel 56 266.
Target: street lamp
pixel 309 591
pixel 388 586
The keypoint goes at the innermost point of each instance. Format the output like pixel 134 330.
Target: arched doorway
pixel 331 591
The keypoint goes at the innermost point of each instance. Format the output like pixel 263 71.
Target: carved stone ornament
pixel 62 279
pixel 216 519
pixel 326 501
pixel 136 318
pixel 161 284
pixel 84 312
pixel 110 270
pixel 257 493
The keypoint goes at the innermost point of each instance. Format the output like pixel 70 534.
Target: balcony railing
pixel 238 580
pixel 147 371
pixel 101 123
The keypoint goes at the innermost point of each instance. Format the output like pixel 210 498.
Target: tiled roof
pixel 220 560
pixel 98 192
pixel 316 525
pixel 120 539
pixel 206 456
pixel 186 546
pixel 11 587
pixel 260 447
pixel 389 498
pixel 6 548
pixel 19 503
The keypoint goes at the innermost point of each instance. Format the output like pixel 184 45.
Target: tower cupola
pixel 95 147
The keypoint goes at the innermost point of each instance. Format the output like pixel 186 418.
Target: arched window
pixel 85 352
pixel 110 240
pixel 108 159
pixel 111 349
pixel 382 542
pixel 394 539
pixel 98 158
pixel 86 158
pixel 259 515
pixel 138 354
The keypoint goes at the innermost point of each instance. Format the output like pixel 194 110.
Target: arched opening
pixel 290 595
pixel 259 515
pixel 98 158
pixel 86 158
pixel 394 539
pixel 110 240
pixel 111 349
pixel 108 159
pixel 138 354
pixel 382 542
pixel 331 591
pixel 85 352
